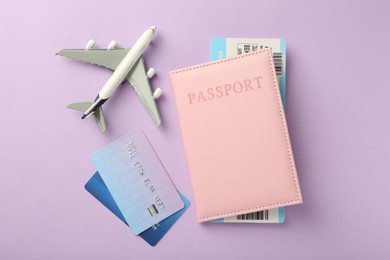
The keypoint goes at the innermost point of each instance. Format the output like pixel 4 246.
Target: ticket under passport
pixel 221 48
pixel 137 181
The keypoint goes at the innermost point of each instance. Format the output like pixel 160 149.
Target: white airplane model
pixel 127 64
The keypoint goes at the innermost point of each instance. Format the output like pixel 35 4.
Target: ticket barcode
pixel 259 215
pixel 277 56
pixel 278 62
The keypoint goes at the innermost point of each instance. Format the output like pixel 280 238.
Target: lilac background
pixel 337 103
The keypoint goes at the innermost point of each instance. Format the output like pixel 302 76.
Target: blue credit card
pixel 137 181
pixel 99 190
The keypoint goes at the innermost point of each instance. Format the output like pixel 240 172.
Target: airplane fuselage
pixel 121 71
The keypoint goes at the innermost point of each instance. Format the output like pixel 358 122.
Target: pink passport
pixel 235 136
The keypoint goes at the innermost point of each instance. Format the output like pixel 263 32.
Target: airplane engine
pixel 151 72
pixel 112 45
pixel 90 44
pixel 157 93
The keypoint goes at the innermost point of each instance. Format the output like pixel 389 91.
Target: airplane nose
pixel 154 28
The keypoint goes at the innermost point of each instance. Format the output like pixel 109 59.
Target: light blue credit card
pixel 137 181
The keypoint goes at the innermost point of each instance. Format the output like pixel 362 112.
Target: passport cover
pixel 235 136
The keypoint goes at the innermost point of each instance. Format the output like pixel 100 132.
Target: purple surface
pixel 338 115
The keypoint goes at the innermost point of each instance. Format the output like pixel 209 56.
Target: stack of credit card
pixel 133 184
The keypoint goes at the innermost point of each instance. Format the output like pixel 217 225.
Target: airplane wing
pixel 109 59
pixel 138 78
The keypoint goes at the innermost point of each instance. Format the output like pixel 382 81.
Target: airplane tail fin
pixel 97 115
